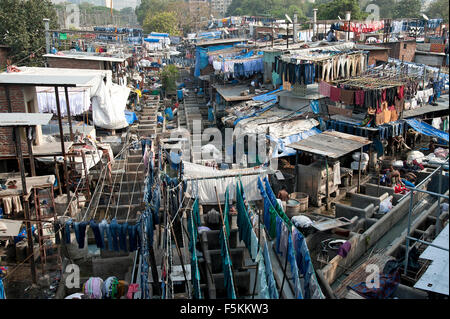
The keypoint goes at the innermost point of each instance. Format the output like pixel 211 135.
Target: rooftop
pixel 52 77
pixel 330 144
pixel 89 57
pixel 24 119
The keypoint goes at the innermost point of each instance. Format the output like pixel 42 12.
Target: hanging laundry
pixel 311 286
pixel 123 229
pixel 193 222
pixel 80 233
pixel 7 205
pixel 97 235
pixel 115 230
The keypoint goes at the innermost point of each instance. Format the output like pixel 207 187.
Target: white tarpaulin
pixel 206 187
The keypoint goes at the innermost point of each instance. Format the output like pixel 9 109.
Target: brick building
pixel 82 61
pixel 376 53
pixel 402 50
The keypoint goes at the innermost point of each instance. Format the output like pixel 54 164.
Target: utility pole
pixel 348 17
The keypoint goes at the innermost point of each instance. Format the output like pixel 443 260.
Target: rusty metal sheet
pixel 330 144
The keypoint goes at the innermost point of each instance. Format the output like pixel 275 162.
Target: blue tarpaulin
pixel 160 35
pixel 271 96
pixel 130 117
pixel 151 40
pixel 257 113
pixel 427 129
pixel 280 149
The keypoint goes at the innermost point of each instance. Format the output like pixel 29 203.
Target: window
pixel 404 45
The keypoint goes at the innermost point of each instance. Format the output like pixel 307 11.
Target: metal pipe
pixel 66 91
pixel 405 267
pixel 359 170
pixel 426 243
pixel 439 210
pixel 427 192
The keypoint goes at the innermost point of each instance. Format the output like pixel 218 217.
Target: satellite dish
pixel 288 18
pixel 425 17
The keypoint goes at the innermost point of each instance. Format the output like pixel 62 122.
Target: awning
pixel 427 129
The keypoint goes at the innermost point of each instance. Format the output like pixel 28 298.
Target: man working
pixel 283 194
pixel 330 36
pixel 394 176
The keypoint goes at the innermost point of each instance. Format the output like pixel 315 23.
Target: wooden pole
pixel 24 189
pixel 63 151
pixel 69 116
pixel 30 153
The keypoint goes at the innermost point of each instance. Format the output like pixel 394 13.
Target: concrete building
pixel 220 7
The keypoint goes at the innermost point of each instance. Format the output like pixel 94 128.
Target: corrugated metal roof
pixel 52 77
pixel 435 278
pixel 24 119
pixel 331 144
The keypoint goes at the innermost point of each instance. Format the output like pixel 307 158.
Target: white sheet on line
pixel 206 188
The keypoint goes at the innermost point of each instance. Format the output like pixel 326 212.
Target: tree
pixel 407 9
pixel 331 10
pixel 168 76
pixel 438 9
pixel 165 22
pixel 151 7
pixel 273 8
pixel 22 28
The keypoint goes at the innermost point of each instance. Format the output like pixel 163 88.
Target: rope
pixel 132 193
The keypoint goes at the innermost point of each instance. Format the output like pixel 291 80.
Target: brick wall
pixel 406 51
pixel 7 144
pixel 401 49
pixel 378 55
pixel 74 64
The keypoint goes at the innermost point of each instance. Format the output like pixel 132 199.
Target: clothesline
pixel 316 59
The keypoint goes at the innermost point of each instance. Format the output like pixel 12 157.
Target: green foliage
pixel 438 9
pixel 331 10
pixel 22 28
pixel 165 22
pixel 168 76
pixel 272 8
pixel 407 9
pixel 151 7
